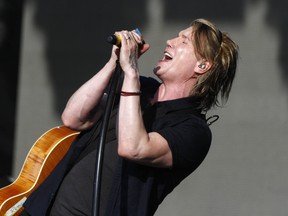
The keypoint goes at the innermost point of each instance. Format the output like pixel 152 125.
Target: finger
pixel 124 36
pixel 137 37
pixel 129 37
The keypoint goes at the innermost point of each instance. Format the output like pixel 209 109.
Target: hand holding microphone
pixel 116 40
pixel 129 46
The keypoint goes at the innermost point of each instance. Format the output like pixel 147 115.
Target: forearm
pixel 132 134
pixel 82 109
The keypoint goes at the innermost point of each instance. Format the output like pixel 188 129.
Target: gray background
pixel 245 173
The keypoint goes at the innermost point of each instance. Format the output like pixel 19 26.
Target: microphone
pixel 116 40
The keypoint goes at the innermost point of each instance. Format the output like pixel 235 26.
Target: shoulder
pixel 189 139
pixel 190 127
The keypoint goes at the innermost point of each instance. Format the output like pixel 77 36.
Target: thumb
pixel 143 48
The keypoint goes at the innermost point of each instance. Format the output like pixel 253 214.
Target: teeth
pixel 168 55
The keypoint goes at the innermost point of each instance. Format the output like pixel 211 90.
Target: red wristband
pixel 124 93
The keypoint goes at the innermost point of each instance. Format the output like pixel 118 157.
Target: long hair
pixel 221 52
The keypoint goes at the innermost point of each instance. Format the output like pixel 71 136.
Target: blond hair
pixel 221 52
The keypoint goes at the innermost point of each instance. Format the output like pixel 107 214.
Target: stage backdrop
pixel 245 173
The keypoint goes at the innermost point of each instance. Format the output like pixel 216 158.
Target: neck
pixel 173 91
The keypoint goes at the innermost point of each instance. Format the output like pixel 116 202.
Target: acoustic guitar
pixel 43 156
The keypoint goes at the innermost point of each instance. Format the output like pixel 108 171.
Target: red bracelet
pixel 124 93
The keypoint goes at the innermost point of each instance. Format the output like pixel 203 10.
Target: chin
pixel 156 69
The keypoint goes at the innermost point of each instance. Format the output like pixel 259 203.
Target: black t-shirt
pixel 138 189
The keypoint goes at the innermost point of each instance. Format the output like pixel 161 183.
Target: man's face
pixel 179 59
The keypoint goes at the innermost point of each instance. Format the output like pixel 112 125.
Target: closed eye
pixel 185 39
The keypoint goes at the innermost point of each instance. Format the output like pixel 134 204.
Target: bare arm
pixel 134 141
pixel 84 107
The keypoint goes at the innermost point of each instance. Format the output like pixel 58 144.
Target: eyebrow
pixel 185 37
pixel 181 34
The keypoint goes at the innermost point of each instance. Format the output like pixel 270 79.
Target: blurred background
pixel 49 48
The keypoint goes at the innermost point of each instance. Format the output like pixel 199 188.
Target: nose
pixel 168 43
pixel 172 42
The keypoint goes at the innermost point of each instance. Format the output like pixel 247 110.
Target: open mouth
pixel 167 56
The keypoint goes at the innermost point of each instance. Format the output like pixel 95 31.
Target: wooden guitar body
pixel 42 158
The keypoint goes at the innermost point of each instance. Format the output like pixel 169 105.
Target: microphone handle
pixel 116 40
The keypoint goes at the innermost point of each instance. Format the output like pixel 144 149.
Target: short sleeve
pixel 189 141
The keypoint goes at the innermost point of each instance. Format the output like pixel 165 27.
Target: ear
pixel 202 66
